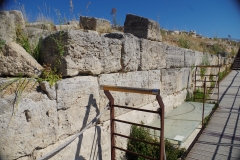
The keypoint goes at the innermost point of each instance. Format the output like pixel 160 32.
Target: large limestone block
pixel 174 80
pixel 140 79
pixel 7 26
pixel 142 27
pixel 131 55
pixel 93 144
pixel 82 53
pixel 77 102
pixel 153 55
pixel 96 24
pixel 131 79
pixel 78 91
pixel 15 61
pixel 189 58
pixel 174 56
pixel 198 58
pixel 28 121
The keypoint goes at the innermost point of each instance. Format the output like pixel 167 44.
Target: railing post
pixel 204 92
pixel 195 84
pixel 161 113
pixel 112 131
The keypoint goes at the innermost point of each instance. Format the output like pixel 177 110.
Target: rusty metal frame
pixel 205 86
pixel 160 111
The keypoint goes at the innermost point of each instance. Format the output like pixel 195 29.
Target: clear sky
pixel 211 18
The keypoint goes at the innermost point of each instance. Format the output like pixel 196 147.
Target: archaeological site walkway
pixel 221 138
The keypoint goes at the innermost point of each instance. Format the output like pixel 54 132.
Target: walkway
pixel 221 138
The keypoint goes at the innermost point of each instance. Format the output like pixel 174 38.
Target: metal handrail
pixel 160 111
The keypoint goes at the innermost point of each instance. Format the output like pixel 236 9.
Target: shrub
pixel 172 153
pixel 184 43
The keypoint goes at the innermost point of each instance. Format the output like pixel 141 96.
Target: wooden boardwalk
pixel 221 138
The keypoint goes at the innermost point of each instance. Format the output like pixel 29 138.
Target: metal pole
pixel 195 84
pixel 218 84
pixel 204 92
pixel 161 113
pixel 112 131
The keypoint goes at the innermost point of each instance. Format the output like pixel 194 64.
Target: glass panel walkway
pixel 221 138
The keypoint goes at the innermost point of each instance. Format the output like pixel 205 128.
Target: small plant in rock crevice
pixel 2 43
pixel 50 75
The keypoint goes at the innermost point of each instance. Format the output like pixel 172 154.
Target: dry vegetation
pixel 201 44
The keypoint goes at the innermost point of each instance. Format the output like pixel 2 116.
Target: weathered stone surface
pixel 130 59
pixel 198 58
pixel 131 79
pixel 50 90
pixel 15 61
pixel 174 80
pixel 65 27
pixel 189 58
pixel 41 25
pixel 78 91
pixel 26 124
pixel 83 53
pixel 7 26
pixel 96 24
pixel 142 27
pixel 173 100
pixel 94 144
pixel 35 35
pixel 18 18
pixel 174 56
pixel 153 55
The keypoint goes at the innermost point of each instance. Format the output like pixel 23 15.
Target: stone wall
pixel 36 117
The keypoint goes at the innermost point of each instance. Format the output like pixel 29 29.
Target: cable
pixel 93 122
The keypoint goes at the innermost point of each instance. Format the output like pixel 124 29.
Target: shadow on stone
pixel 96 147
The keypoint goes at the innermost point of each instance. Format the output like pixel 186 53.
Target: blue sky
pixel 211 18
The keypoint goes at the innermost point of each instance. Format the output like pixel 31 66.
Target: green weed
pixel 2 43
pixel 49 75
pixel 172 153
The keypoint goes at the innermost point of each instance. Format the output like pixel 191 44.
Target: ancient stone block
pixel 7 26
pixel 15 61
pixel 94 143
pixel 82 53
pixel 131 79
pixel 78 91
pixel 172 80
pixel 27 121
pixel 153 55
pixel 96 24
pixel 131 55
pixel 174 56
pixel 142 27
pixel 189 58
